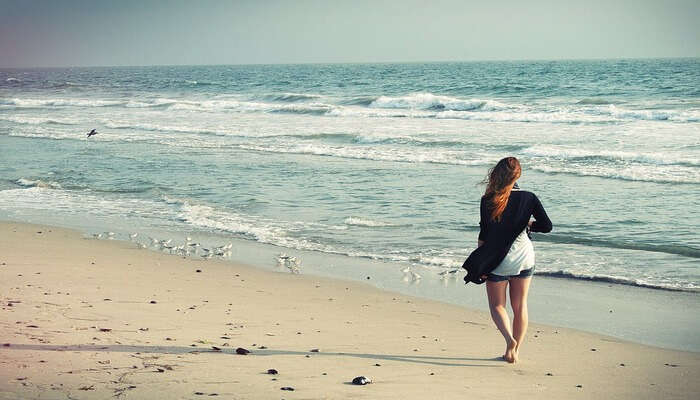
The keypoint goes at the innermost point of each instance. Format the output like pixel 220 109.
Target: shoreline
pixel 94 318
pixel 647 316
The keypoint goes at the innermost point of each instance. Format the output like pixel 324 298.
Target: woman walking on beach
pixel 505 258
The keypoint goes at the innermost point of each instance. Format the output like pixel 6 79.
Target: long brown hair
pixel 499 182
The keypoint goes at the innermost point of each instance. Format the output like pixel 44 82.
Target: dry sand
pixel 95 319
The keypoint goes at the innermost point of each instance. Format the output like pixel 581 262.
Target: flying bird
pixel 92 133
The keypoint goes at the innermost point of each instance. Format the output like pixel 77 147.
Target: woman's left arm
pixel 542 222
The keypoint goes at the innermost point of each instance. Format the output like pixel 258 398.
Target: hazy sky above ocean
pixel 126 32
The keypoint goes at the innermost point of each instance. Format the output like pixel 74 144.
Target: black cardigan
pixel 498 236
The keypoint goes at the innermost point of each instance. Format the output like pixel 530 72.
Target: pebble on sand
pixel 361 380
pixel 289 388
pixel 242 351
pixel 272 371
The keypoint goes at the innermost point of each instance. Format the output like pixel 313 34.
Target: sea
pixel 366 162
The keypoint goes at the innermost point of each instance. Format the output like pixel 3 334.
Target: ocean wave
pixel 39 103
pixel 594 100
pixel 83 102
pixel 682 175
pixel 360 101
pixel 373 153
pixel 55 200
pixel 677 287
pixel 251 106
pixel 27 120
pixel 255 228
pixel 417 105
pixel 556 116
pixel 292 97
pixel 186 215
pixel 161 128
pixel 311 108
pixel 685 251
pixel 359 221
pixel 66 84
pixel 564 153
pixel 38 183
pixel 648 115
pixel 429 101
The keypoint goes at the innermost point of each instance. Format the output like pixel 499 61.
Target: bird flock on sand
pixel 188 248
pixel 283 261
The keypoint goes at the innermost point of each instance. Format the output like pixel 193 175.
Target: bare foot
pixel 511 354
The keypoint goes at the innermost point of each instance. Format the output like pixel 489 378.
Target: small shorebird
pixel 92 133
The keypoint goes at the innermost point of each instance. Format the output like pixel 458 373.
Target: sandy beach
pixel 92 319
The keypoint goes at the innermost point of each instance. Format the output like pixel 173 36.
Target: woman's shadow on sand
pixel 120 348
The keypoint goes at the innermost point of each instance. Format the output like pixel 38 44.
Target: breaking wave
pixel 676 287
pixel 429 101
pixel 292 97
pixel 37 183
pixel 577 153
pixel 359 221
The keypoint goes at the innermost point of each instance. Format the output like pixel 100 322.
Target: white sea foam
pixel 37 183
pixel 565 153
pixel 639 173
pixel 359 221
pixel 256 228
pixel 38 103
pixel 375 153
pixel 292 97
pixel 417 105
pixel 33 120
pixel 429 101
pixel 651 115
pixel 144 126
pixel 67 201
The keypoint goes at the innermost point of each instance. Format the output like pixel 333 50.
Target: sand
pixel 93 319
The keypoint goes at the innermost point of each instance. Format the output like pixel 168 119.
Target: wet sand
pixel 84 318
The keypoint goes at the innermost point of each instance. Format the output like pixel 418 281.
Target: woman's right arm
pixel 482 223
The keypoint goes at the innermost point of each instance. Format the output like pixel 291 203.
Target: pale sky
pixel 125 32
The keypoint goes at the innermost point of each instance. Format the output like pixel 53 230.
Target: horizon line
pixel 360 62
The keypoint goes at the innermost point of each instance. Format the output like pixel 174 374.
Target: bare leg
pixel 518 301
pixel 497 304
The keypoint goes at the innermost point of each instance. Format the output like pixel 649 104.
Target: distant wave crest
pixel 416 105
pixel 429 101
